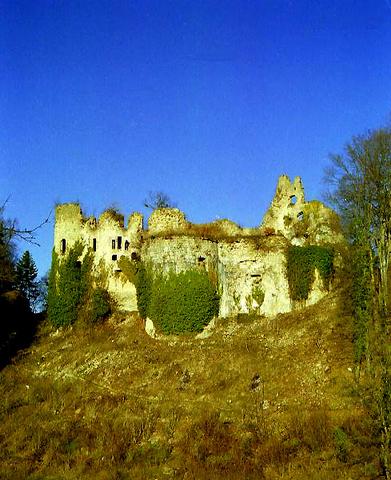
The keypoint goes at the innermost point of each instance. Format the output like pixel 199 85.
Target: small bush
pixel 183 302
pixel 100 305
pixel 65 287
pixel 143 283
pixel 129 268
pixel 71 295
pixel 341 444
pixel 258 294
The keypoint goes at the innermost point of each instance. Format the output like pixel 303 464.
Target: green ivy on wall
pixel 183 302
pixel 177 303
pixel 71 291
pixel 301 265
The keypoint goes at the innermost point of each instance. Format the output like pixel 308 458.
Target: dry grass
pixel 266 399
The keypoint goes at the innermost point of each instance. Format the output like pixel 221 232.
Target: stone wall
pixel 107 239
pixel 301 222
pixel 242 261
pixel 251 264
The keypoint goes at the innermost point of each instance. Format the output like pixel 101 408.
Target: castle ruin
pixel 243 260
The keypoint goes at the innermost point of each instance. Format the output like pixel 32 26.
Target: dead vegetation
pixel 266 399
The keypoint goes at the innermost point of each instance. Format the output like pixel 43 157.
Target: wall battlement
pixel 243 259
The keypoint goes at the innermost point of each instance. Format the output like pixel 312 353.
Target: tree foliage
pixel 26 279
pixel 361 190
pixel 360 181
pixel 65 287
pixel 72 291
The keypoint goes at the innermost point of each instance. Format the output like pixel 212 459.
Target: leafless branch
pixel 26 234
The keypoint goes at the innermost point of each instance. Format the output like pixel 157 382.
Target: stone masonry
pixel 242 260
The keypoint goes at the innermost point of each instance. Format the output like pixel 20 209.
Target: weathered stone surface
pixel 247 265
pixel 167 220
pixel 299 221
pixel 150 328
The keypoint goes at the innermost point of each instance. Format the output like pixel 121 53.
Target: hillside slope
pixel 257 399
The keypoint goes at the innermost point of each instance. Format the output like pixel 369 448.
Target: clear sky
pixel 207 100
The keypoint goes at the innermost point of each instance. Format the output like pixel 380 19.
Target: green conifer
pixel 26 278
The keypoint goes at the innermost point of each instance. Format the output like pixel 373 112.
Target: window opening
pixel 293 199
pixel 114 257
pixel 119 243
pixel 94 244
pixel 134 256
pixel 127 245
pixel 63 245
pixel 113 244
pixel 201 259
pixel 300 216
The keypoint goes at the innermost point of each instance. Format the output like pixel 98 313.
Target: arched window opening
pixel 119 243
pixel 113 244
pixel 63 246
pixel 127 244
pixel 293 199
pixel 300 216
pixel 94 244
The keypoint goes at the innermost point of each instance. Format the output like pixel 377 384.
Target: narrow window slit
pixel 63 245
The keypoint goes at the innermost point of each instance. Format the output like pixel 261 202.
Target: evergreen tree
pixel 26 279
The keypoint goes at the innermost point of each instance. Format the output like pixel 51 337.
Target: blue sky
pixel 209 101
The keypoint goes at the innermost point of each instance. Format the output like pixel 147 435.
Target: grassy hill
pixel 258 399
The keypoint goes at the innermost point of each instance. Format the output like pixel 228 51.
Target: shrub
pixel 183 302
pixel 143 283
pixel 71 295
pixel 361 297
pixel 341 444
pixel 65 287
pixel 301 265
pixel 100 305
pixel 129 268
pixel 258 294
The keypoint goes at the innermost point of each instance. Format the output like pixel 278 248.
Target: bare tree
pixel 158 200
pixel 11 229
pixel 360 179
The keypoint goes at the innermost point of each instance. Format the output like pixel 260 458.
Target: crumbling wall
pixel 68 226
pixel 180 253
pixel 301 222
pixel 248 265
pixel 108 240
pixel 167 220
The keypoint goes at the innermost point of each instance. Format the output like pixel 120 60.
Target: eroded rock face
pixel 253 278
pixel 167 220
pixel 247 265
pixel 301 222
